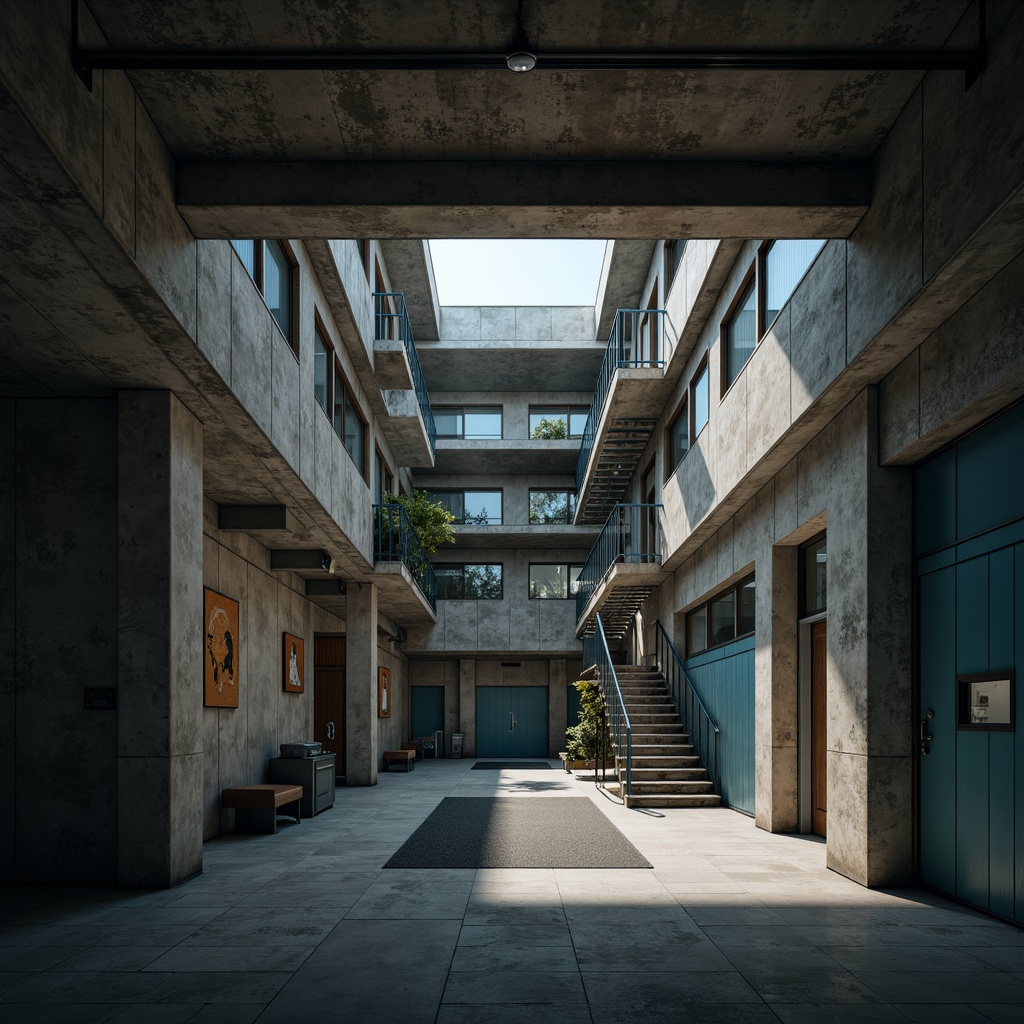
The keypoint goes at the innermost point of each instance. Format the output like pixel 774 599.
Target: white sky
pixel 516 272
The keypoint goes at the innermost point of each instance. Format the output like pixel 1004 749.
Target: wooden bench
pixel 256 806
pixel 406 757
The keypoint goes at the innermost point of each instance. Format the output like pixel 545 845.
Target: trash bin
pixel 457 744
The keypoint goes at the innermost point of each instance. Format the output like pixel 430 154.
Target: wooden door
pixel 329 697
pixel 819 709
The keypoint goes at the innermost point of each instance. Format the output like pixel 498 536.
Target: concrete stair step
pixel 642 775
pixel 676 800
pixel 662 761
pixel 675 750
pixel 688 787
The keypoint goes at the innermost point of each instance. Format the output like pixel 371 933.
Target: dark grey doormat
pixel 511 765
pixel 517 832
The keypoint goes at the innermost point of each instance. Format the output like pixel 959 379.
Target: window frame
pixel 258 278
pixel 682 410
pixel 570 498
pixel 802 552
pixel 349 402
pixel 463 566
pixel 384 479
pixel 568 566
pixel 320 333
pixel 567 410
pixel 751 280
pixel 705 608
pixel 461 409
pixel 472 490
pixel 704 366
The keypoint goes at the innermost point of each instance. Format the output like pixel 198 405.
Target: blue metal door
pixel 427 710
pixel 512 721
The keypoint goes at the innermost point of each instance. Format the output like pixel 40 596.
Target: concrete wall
pixel 519 324
pixel 58 542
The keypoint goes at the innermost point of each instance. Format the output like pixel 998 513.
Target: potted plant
pixel 583 740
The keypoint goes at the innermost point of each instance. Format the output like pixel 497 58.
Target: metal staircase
pixel 666 770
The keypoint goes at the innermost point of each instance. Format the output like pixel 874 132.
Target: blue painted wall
pixel 427 710
pixel 724 679
pixel 969 539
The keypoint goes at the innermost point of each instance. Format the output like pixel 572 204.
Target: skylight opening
pixel 516 271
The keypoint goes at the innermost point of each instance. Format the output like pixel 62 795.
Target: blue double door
pixel 970 546
pixel 512 721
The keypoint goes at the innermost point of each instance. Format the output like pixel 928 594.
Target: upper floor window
pixel 348 421
pixel 674 249
pixel 770 281
pixel 469 422
pixel 677 441
pixel 557 422
pixel 383 481
pixel 477 507
pixel 813 589
pixel 552 506
pixel 271 265
pixel 323 358
pixel 726 617
pixel 469 582
pixel 699 399
pixel 553 582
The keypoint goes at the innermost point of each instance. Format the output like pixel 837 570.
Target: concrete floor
pixel 732 925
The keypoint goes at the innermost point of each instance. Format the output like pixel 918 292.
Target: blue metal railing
pixel 631 533
pixel 395 540
pixel 391 323
pixel 699 724
pixel 595 652
pixel 635 341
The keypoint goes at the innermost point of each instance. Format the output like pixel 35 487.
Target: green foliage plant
pixel 430 519
pixel 582 739
pixel 550 430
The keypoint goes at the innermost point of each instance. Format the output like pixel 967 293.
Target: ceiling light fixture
pixel 522 58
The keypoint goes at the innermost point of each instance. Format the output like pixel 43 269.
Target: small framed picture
pixel 383 692
pixel 223 649
pixel 985 701
pixel 294 666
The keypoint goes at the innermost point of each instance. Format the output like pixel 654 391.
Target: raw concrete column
pixel 361 724
pixel 870 753
pixel 557 705
pixel 160 641
pixel 467 705
pixel 775 691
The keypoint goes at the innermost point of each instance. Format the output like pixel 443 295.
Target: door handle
pixel 926 736
pixel 512 723
pixel 330 730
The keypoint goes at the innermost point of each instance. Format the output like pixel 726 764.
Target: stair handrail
pixel 596 653
pixel 691 709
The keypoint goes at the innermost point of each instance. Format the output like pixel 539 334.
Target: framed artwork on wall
pixel 223 650
pixel 294 666
pixel 383 692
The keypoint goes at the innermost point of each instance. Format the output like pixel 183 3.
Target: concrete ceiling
pixel 792 143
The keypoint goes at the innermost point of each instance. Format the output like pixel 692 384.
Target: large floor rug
pixel 517 832
pixel 523 766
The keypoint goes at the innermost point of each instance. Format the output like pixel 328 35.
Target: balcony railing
pixel 635 341
pixel 630 534
pixel 595 652
pixel 395 540
pixel 391 323
pixel 699 724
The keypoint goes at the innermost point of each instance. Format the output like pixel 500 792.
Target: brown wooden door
pixel 819 771
pixel 329 697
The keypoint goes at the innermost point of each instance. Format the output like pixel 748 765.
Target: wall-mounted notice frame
pixel 985 701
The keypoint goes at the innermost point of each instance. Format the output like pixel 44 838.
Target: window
pixel 558 422
pixel 468 582
pixel 677 442
pixel 468 423
pixel 740 335
pixel 553 582
pixel 813 577
pixel 383 482
pixel 726 617
pixel 552 507
pixel 784 264
pixel 770 281
pixel 482 508
pixel 674 249
pixel 271 266
pixel 322 360
pixel 699 399
pixel 349 424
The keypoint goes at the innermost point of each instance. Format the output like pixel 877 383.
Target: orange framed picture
pixel 383 692
pixel 223 648
pixel 294 665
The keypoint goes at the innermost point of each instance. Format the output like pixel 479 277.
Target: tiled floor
pixel 732 925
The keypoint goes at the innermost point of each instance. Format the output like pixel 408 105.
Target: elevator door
pixel 512 721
